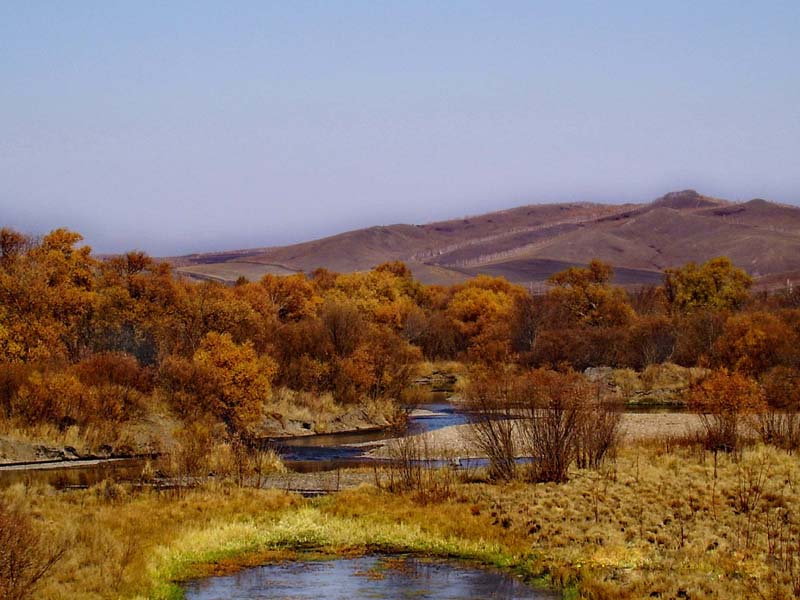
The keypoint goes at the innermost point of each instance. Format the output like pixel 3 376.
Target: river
pixel 301 454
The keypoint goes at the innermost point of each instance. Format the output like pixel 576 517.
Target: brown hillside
pixel 759 213
pixel 688 200
pixel 529 243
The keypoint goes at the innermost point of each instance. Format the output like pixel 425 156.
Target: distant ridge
pixel 529 243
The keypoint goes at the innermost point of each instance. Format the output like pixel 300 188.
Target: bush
pixel 413 468
pixel 492 398
pixel 722 400
pixel 554 417
pixel 25 555
pixel 598 431
pixel 779 428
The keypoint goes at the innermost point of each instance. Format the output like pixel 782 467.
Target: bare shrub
pixel 493 398
pixel 25 555
pixel 416 467
pixel 779 428
pixel 779 425
pixel 553 420
pixel 598 430
pixel 406 464
pixel 253 460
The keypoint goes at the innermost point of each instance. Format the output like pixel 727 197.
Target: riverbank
pixel 289 417
pixel 459 441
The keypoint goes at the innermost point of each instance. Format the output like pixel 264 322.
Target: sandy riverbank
pixel 458 440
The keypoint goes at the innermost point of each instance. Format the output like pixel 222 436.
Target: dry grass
pixel 654 524
pixel 319 409
pixel 663 520
pixel 117 538
pixel 325 415
pixel 145 435
pixel 427 368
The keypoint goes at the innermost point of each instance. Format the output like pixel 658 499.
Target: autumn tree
pixel 696 333
pixel 482 310
pixel 716 285
pixel 586 296
pixel 344 325
pixel 55 398
pixel 755 342
pixel 722 401
pixel 393 362
pixel 138 308
pixel 651 339
pixel 293 297
pixel 226 380
pixel 305 354
pixel 385 295
pixel 212 307
pixel 46 296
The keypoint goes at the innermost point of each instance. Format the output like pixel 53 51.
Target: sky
pixel 176 127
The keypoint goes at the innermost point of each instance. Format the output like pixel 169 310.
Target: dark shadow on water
pixel 377 577
pixel 75 474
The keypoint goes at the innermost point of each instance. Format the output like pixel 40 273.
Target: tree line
pixel 85 339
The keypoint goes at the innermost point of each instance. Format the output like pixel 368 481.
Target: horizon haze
pixel 196 127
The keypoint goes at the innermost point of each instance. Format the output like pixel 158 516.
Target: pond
pixel 377 577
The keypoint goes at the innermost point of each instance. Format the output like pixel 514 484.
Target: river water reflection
pixel 340 450
pixel 377 577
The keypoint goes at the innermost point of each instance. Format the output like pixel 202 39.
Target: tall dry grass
pixel 661 520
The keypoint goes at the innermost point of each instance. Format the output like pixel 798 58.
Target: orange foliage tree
pixel 722 401
pixel 587 297
pixel 481 311
pixel 755 342
pixel 225 380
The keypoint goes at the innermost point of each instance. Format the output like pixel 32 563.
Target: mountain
pixel 529 243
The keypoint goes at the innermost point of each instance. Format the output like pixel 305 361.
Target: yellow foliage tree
pixel 586 296
pixel 754 342
pixel 482 310
pixel 716 285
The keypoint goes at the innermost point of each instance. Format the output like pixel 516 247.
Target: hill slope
pixel 529 243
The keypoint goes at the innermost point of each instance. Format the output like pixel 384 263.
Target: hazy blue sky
pixel 185 126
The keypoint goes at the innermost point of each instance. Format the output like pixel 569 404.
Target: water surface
pixel 336 450
pixel 376 577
